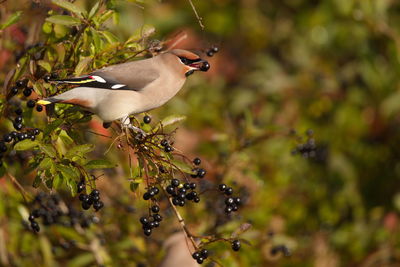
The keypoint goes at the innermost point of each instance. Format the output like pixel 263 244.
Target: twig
pixel 181 221
pixel 19 186
pixel 199 19
pixel 99 134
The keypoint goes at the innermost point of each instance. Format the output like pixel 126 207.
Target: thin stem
pixel 199 19
pixel 181 221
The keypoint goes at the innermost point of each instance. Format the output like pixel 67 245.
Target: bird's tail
pixel 47 101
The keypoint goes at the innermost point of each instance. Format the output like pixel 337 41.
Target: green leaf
pixel 63 20
pixel 67 171
pixel 183 166
pixel 82 65
pixel 48 150
pixel 69 6
pixel 99 164
pixel 173 119
pixel 170 120
pixel 94 9
pixel 45 65
pixel 79 150
pixel 96 39
pixel 105 16
pixel 14 18
pixel 25 145
pixel 52 126
pixel 134 186
pixel 65 138
pixel 38 180
pixel 57 181
pixel 71 183
pixel 110 37
pixel 45 164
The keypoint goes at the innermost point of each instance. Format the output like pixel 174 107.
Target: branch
pixel 199 19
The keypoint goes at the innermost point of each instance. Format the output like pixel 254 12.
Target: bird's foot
pixel 134 128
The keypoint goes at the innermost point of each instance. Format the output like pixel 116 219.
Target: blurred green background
pixel 289 65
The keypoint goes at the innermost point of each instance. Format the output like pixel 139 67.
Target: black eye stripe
pixel 187 61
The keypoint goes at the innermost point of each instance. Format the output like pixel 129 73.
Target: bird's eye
pixel 185 60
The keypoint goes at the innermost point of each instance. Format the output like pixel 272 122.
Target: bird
pixel 118 91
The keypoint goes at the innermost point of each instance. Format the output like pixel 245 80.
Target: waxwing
pixel 117 91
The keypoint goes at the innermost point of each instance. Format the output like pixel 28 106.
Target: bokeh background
pixel 284 68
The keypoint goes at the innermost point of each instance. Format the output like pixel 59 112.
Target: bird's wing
pixel 126 76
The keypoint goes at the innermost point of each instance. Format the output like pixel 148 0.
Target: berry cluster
pixel 15 136
pixel 231 203
pixel 198 172
pixel 182 192
pixel 49 208
pixel 167 147
pixel 27 91
pixel 152 221
pixel 92 199
pixel 200 256
pixel 212 51
pixel 151 192
pixel 18 120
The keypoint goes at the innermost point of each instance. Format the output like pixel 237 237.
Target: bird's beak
pixel 201 65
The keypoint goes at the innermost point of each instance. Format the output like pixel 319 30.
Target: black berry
pixel 95 192
pixel 3 147
pixel 168 149
pixel 47 78
pixel 31 103
pixel 81 186
pixel 144 220
pixel 222 187
pixel 157 217
pixel 98 205
pixel 14 90
pixel 27 92
pixel 155 209
pixel 147 231
pixel 196 255
pixel 164 142
pixel 228 191
pixel 39 108
pixel 85 205
pixel 146 119
pixel 21 83
pixel 7 138
pixel 201 173
pixel 204 253
pixel 18 111
pixel 170 189
pixel 146 196
pixel 197 161
pixel 175 182
pixel 18 119
pixel 236 245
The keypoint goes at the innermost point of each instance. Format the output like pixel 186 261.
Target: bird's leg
pixel 126 123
